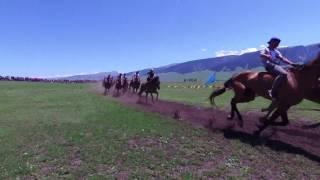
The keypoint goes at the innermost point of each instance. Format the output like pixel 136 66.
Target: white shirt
pixel 275 56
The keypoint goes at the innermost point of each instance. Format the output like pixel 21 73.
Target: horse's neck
pixel 303 79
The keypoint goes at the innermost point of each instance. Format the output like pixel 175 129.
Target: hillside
pixel 227 65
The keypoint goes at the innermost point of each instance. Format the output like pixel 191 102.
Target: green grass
pixel 54 131
pixel 199 97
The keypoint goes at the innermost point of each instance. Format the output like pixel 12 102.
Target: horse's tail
pixel 217 92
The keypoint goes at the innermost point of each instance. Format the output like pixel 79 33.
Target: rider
pixel 108 77
pixel 271 59
pixel 136 76
pixel 150 75
pixel 124 79
pixel 119 78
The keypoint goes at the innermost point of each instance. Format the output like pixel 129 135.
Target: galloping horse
pixel 125 85
pixel 107 84
pixel 118 86
pixel 135 84
pixel 247 85
pixel 151 87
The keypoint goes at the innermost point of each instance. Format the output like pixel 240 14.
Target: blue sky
pixel 62 37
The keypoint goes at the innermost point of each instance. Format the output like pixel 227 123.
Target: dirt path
pixel 300 137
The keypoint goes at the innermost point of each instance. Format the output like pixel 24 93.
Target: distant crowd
pixel 29 79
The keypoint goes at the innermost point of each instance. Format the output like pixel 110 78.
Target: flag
pixel 211 79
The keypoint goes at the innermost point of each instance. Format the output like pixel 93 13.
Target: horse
pixel 118 86
pixel 247 85
pixel 151 87
pixel 107 84
pixel 125 85
pixel 135 84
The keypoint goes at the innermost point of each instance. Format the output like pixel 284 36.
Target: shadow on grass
pixel 311 126
pixel 275 145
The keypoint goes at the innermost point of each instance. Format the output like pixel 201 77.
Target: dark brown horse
pixel 150 87
pixel 107 84
pixel 125 85
pixel 118 86
pixel 135 84
pixel 247 85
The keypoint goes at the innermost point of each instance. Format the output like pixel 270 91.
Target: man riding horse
pixel 150 75
pixel 151 86
pixel 118 85
pixel 299 82
pixel 124 83
pixel 271 59
pixel 135 82
pixel 107 83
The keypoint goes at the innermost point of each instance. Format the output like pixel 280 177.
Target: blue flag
pixel 211 79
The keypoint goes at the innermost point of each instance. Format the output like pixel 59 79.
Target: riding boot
pixel 273 93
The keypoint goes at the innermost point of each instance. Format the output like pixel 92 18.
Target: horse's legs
pixel 157 95
pixel 271 121
pixel 268 122
pixel 233 106
pixel 152 97
pixel 239 90
pixel 235 109
pixel 285 119
pixel 241 95
pixel 147 97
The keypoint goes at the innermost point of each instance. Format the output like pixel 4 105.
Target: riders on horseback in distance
pixel 271 59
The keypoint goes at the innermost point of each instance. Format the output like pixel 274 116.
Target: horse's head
pixel 311 70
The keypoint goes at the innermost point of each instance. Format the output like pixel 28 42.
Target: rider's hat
pixel 151 71
pixel 274 39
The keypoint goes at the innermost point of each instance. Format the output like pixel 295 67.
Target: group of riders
pixel 248 85
pixel 121 81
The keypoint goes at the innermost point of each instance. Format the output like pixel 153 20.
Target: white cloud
pixel 234 52
pixel 262 46
pixel 243 51
pixel 204 49
pixel 65 75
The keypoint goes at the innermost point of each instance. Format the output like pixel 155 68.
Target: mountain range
pixel 224 64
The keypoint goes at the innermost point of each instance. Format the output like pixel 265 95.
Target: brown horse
pixel 151 87
pixel 125 85
pixel 107 84
pixel 118 86
pixel 135 84
pixel 247 85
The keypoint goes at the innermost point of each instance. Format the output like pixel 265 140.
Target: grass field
pixel 200 96
pixel 51 131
